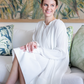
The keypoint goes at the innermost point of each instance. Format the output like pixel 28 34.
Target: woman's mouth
pixel 48 12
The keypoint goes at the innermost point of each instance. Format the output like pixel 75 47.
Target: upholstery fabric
pixel 6 36
pixel 77 72
pixel 72 78
pixel 22 36
pixel 77 50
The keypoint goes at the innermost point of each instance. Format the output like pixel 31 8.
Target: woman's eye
pixel 52 5
pixel 45 5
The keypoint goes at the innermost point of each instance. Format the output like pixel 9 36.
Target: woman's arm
pixel 60 50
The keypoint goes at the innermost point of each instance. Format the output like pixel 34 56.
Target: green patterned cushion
pixel 70 36
pixel 6 36
pixel 77 49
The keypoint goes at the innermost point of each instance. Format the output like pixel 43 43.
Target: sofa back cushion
pixel 21 37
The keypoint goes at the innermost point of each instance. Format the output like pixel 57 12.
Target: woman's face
pixel 49 7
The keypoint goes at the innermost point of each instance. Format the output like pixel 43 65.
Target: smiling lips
pixel 48 12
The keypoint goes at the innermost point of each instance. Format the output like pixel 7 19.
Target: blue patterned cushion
pixel 6 36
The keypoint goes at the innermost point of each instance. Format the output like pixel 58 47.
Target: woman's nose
pixel 48 7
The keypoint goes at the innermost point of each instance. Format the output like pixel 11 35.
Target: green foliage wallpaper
pixel 30 9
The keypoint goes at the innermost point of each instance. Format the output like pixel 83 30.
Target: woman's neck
pixel 49 19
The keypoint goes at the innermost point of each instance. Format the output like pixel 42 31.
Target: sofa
pixel 21 36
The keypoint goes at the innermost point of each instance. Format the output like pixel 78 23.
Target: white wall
pixel 30 26
pixel 76 26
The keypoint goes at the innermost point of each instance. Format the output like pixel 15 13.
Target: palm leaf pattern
pixel 71 8
pixel 20 9
pixel 6 34
pixel 30 9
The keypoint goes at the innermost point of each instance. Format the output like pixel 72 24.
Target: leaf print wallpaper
pixel 30 9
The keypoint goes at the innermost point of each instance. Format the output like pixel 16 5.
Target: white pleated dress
pixel 48 63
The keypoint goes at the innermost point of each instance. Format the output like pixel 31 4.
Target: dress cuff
pixel 36 43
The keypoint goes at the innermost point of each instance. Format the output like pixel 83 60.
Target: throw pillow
pixel 70 36
pixel 77 49
pixel 6 36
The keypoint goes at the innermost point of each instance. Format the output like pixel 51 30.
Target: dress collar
pixel 50 22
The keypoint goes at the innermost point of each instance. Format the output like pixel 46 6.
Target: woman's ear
pixel 56 6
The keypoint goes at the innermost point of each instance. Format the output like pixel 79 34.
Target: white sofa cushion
pixel 71 79
pixel 67 78
pixel 77 72
pixel 3 70
pixel 21 37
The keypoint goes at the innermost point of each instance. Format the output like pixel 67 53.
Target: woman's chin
pixel 47 15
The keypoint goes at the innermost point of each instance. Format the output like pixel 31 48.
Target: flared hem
pixel 31 64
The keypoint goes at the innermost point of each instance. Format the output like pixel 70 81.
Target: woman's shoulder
pixel 38 25
pixel 58 21
pixel 59 25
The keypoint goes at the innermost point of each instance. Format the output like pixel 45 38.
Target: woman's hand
pixel 30 46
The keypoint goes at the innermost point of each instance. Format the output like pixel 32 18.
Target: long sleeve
pixel 36 31
pixel 60 51
pixel 59 43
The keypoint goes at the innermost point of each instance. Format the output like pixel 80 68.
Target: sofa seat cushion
pixel 67 78
pixel 77 72
pixel 3 70
pixel 71 79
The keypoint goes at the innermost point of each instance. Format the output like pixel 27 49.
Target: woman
pixel 45 59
